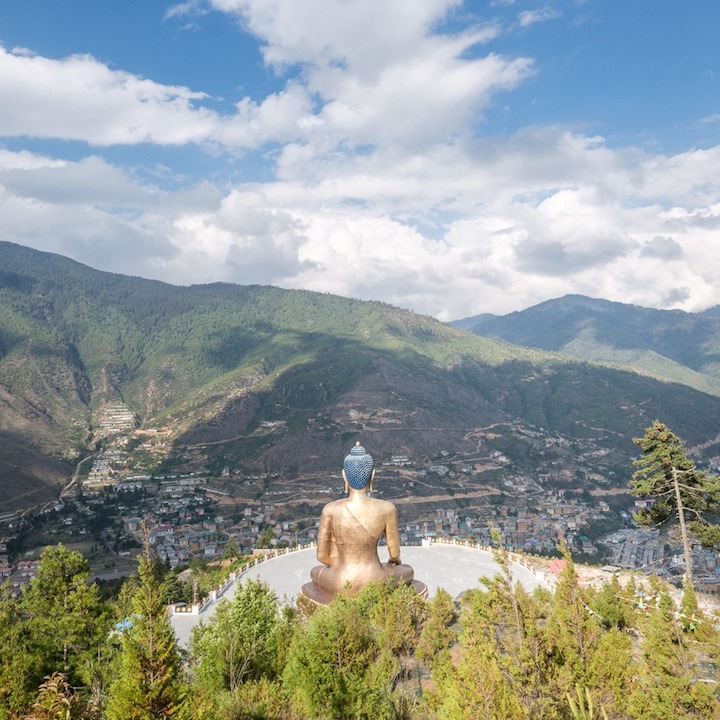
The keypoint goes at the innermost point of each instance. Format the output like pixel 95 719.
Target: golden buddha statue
pixel 348 537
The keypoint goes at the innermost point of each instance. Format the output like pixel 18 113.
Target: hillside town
pixel 191 516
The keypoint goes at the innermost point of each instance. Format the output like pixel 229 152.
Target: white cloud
pixel 372 76
pixel 380 72
pixel 188 8
pixel 421 102
pixel 465 228
pixel 78 98
pixel 381 185
pixel 281 117
pixel 711 118
pixel 543 14
pixel 92 179
pixel 662 247
pixel 365 37
pixel 25 160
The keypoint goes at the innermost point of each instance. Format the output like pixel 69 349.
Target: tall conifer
pixel 149 677
pixel 666 474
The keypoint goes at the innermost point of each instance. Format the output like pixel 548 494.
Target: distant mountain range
pixel 670 345
pixel 284 381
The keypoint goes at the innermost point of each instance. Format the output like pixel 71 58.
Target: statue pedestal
pixel 320 597
pixel 315 594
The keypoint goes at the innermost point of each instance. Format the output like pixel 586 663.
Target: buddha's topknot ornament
pixel 358 467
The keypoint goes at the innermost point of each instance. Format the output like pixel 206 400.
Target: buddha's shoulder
pixel 383 504
pixel 334 505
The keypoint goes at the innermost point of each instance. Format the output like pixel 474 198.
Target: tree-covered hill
pixel 670 345
pixel 215 365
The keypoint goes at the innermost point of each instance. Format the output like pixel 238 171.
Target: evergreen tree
pixel 56 625
pixel 479 687
pixel 690 616
pixel 64 614
pixel 667 474
pixel 336 668
pixel 572 632
pixel 613 606
pixel 397 615
pixel 666 688
pixel 242 641
pixel 21 667
pixel 502 667
pixel 149 684
pixel 612 671
pixel 437 635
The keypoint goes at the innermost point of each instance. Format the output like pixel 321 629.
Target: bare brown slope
pixel 30 469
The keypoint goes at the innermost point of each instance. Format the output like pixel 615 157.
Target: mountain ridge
pixel 671 345
pixel 260 379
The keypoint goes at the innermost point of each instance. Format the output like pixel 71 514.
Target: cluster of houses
pixel 208 535
pixel 15 577
pixel 535 527
pixel 184 518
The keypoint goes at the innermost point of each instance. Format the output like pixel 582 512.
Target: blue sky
pixel 449 157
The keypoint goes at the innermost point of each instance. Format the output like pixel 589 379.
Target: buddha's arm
pixel 324 540
pixel 392 536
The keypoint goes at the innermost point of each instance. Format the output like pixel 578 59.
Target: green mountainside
pixel 669 345
pixel 222 367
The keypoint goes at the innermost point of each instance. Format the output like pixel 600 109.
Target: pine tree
pixel 479 687
pixel 667 474
pixel 63 612
pixel 612 605
pixel 336 668
pixel 612 671
pixel 666 688
pixel 20 666
pixel 501 670
pixel 398 614
pixel 149 683
pixel 572 631
pixel 437 634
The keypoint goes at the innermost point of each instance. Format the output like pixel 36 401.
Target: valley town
pixel 133 489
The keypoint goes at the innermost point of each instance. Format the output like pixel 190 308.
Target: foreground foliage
pixel 148 673
pixel 618 651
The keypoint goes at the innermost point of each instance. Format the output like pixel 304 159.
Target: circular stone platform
pixel 455 568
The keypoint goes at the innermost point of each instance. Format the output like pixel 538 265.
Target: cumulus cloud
pixel 664 248
pixel 505 235
pixel 365 37
pixel 364 64
pixel 26 160
pixel 370 63
pixel 93 179
pixel 379 182
pixel 78 98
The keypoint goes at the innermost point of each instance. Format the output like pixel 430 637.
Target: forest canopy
pixel 626 649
